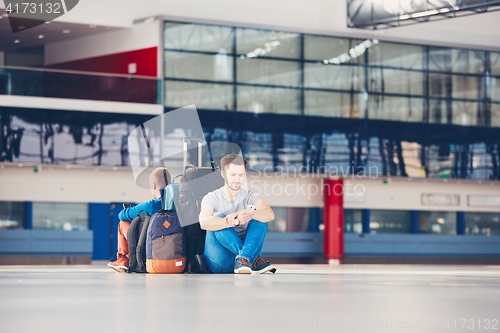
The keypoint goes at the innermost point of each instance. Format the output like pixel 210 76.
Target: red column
pixel 333 219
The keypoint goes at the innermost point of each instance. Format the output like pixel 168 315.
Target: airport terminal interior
pixel 394 102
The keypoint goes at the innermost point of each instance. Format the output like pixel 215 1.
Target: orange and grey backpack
pixel 165 247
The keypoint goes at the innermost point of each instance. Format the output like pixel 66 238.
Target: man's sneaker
pixel 120 265
pixel 242 266
pixel 260 265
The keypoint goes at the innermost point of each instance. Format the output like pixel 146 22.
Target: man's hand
pixel 230 219
pixel 244 216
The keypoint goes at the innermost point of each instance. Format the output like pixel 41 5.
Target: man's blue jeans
pixel 222 247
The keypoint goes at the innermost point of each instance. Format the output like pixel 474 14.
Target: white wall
pixel 139 36
pixel 86 185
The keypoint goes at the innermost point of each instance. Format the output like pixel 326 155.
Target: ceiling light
pixel 41 36
pixel 66 31
pixel 17 41
pixel 92 26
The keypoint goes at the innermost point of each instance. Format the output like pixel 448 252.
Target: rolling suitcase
pixel 195 183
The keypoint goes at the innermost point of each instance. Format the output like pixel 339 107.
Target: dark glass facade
pixel 342 105
pixel 300 102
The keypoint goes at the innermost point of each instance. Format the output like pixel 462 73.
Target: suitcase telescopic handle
pixel 186 139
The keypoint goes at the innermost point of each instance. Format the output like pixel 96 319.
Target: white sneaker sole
pixel 119 269
pixel 269 268
pixel 243 270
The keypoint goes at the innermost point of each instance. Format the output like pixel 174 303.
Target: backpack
pixel 136 237
pixel 165 244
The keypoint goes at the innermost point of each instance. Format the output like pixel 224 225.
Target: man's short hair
pixel 232 159
pixel 158 177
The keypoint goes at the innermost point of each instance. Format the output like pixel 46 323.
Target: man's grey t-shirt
pixel 222 205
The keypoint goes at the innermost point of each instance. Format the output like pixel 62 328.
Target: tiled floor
pixel 298 298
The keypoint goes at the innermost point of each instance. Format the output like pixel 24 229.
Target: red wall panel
pixel 117 63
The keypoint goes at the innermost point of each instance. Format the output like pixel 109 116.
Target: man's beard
pixel 232 187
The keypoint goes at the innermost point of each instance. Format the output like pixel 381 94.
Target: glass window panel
pixel 71 137
pixel 466 87
pixel 390 222
pixel 437 222
pixel 269 100
pixel 336 153
pixel 297 219
pixel 411 157
pixel 465 113
pixel 467 61
pixel 254 43
pixel 60 216
pixel 440 85
pixel 455 86
pixel 352 221
pixel 11 215
pixel 270 72
pixel 439 59
pixel 395 81
pixel 440 161
pixel 291 156
pixel 198 37
pixel 289 219
pixel 482 165
pixel 334 77
pixel 485 224
pixel 332 104
pixel 335 49
pixel 197 66
pixel 396 55
pixel 395 108
pixel 439 111
pixel 495 63
pixel 204 95
pixel 495 88
pixel 256 147
pixel 279 222
pixel 495 114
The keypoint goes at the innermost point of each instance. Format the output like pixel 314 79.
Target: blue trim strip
pixel 314 219
pixel 460 223
pixel 365 218
pixel 99 224
pixel 28 215
pixel 414 221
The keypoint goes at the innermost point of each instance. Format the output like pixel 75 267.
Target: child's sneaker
pixel 120 265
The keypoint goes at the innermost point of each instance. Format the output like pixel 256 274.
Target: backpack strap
pixel 162 190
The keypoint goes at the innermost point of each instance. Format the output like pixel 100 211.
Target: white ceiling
pixel 51 32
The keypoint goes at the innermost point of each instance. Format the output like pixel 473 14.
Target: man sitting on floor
pixel 235 219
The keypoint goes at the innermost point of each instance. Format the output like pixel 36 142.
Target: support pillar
pixel 333 198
